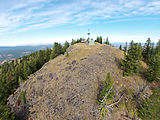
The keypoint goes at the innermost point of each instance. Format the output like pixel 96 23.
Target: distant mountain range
pixel 117 44
pixel 8 53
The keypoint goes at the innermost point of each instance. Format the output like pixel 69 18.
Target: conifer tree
pixel 79 40
pixel 152 52
pixel 47 54
pixel 16 71
pixel 21 69
pixel 107 41
pixel 130 64
pixel 57 50
pixel 120 47
pixel 147 51
pixel 135 51
pixel 67 54
pixel 157 51
pixel 125 48
pixel 52 55
pixel 41 57
pixel 66 45
pixel 73 42
pixel 153 72
pixel 26 70
pixel 20 80
pixel 99 39
pixel 107 87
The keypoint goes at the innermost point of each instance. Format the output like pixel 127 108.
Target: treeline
pixel 149 53
pixel 13 73
pixel 100 40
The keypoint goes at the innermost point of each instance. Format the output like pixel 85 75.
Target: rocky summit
pixel 66 87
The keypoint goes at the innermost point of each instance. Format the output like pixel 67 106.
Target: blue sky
pixel 47 21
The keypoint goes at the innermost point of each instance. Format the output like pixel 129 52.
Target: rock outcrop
pixel 66 88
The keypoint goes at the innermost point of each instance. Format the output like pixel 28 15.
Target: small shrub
pixel 20 80
pixel 67 55
pixel 150 108
pixel 106 90
pixel 22 96
pixel 105 97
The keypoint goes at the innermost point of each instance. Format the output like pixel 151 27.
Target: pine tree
pixel 47 54
pixel 153 72
pixel 152 52
pixel 107 87
pixel 135 51
pixel 79 40
pixel 157 51
pixel 107 41
pixel 99 40
pixel 26 70
pixel 125 48
pixel 120 47
pixel 52 55
pixel 130 64
pixel 67 54
pixel 147 51
pixel 41 57
pixel 66 45
pixel 21 69
pixel 73 42
pixel 20 80
pixel 57 50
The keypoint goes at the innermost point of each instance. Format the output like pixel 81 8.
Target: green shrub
pixel 107 89
pixel 6 114
pixel 22 96
pixel 67 55
pixel 105 97
pixel 150 108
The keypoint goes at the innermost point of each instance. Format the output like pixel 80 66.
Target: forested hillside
pixel 9 53
pixel 149 108
pixel 12 74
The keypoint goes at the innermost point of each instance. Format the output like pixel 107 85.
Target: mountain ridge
pixel 67 87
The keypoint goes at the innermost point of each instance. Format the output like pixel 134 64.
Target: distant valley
pixel 9 53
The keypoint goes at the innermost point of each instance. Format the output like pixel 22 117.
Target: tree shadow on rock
pixel 21 109
pixel 118 62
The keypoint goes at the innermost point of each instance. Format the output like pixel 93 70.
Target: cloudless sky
pixel 24 22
